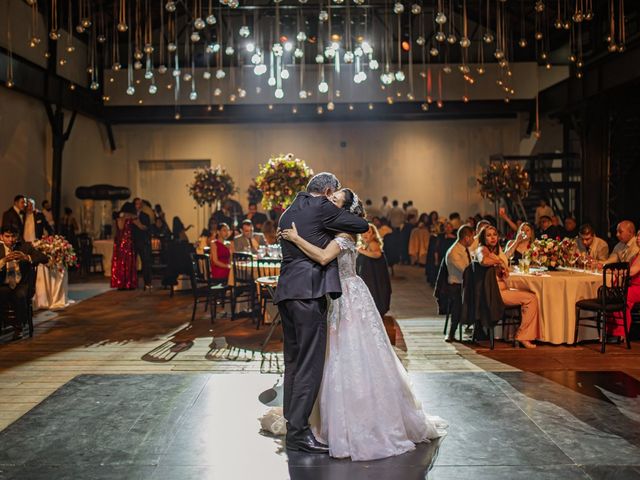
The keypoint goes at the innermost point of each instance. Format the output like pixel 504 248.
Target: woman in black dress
pixel 371 266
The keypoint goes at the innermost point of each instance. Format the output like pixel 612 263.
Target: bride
pixel 366 406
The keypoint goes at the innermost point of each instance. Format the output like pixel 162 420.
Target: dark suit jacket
pixel 11 217
pixel 481 299
pixel 317 220
pixel 42 225
pixel 142 236
pixel 37 257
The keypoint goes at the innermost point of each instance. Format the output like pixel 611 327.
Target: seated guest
pixel 591 245
pixel 159 228
pixel 14 217
pixel 570 227
pixel 548 228
pixel 220 254
pixel 371 266
pixel 615 329
pixel 269 231
pixel 626 248
pixel 248 241
pixel 35 223
pixel 481 225
pixel 256 217
pixel 180 231
pixel 16 274
pixel 519 246
pixel 489 254
pixel 457 259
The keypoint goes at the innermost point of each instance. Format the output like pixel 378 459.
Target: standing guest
pixel 270 232
pixel 69 227
pixel 419 241
pixel 220 255
pixel 180 231
pixel 142 241
pixel 548 228
pixel 396 216
pixel 148 210
pixel 160 229
pixel 371 266
pixel 248 240
pixel 258 219
pixel 626 248
pixel 633 295
pixel 382 224
pixel 542 210
pixel 411 210
pixel 490 254
pixel 435 225
pixel 35 223
pixel 224 215
pixel 371 211
pixel 570 228
pixel 48 214
pixel 457 259
pixel 592 246
pixel 14 217
pixel 124 264
pixel 16 274
pixel 385 207
pixel 455 220
pixel 519 246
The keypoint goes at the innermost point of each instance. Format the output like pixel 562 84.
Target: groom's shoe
pixel 306 443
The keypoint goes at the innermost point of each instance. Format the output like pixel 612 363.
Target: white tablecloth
pixel 105 248
pixel 52 286
pixel 557 294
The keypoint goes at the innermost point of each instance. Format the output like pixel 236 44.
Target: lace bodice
pixel 347 257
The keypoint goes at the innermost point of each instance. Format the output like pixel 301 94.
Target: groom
pixel 301 299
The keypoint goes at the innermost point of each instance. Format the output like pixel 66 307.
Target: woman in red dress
pixel 220 255
pixel 124 266
pixel 633 297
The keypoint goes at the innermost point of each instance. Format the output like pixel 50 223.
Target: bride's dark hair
pixel 350 198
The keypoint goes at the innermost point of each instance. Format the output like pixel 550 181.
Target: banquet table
pixel 52 287
pixel 557 292
pixel 104 248
pixel 274 270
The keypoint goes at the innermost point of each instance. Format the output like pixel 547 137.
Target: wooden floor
pixel 137 332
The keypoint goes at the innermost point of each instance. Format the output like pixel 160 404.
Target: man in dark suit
pixel 301 299
pixel 142 242
pixel 256 217
pixel 16 274
pixel 35 223
pixel 15 215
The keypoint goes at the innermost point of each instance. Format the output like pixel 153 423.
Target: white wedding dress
pixel 366 408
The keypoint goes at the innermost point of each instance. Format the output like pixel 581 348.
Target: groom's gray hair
pixel 322 182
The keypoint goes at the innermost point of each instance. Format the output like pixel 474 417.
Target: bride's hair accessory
pixel 354 202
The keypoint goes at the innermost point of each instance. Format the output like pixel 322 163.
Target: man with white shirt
pixel 627 247
pixel 370 210
pixel 457 260
pixel 412 211
pixel 385 207
pixel 396 216
pixel 591 245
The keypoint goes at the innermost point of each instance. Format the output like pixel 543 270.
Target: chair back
pixel 268 267
pixel 243 269
pixel 615 283
pixel 200 271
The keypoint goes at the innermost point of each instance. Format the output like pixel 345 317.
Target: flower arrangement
pixel 280 180
pixel 504 180
pixel 59 250
pixel 254 194
pixel 553 253
pixel 211 185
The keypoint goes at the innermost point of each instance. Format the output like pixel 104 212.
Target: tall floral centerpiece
pixel 280 180
pixel 211 186
pixel 504 182
pixel 52 280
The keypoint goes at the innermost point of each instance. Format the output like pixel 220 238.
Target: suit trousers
pixel 529 326
pixel 304 323
pixel 143 250
pixel 455 290
pixel 18 299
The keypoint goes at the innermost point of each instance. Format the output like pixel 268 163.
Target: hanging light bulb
pixel 421 40
pixel 398 8
pixel 465 42
pixel 260 69
pixel 171 47
pixel 162 69
pixel 323 16
pixel 122 27
pixel 441 18
pixel 244 31
pixel 348 57
pixel 131 90
pixel 206 75
pixel 170 6
pixel 319 59
pixel 488 37
pixel 284 74
pixel 451 38
pixel 211 19
pixel 367 48
pixel 195 37
pixel 220 74
pixel 187 77
pixel 153 89
pixel 199 23
pixel 331 107
pixel 302 94
pixel 373 64
pixel 279 93
pixel 148 74
pixel 416 9
pixel 323 87
pixel 440 37
pixel 229 50
pixel 434 52
pixel 522 42
pixel 298 53
pixel 301 36
pixel 193 95
pixel 242 92
pixel 400 76
pixel 217 92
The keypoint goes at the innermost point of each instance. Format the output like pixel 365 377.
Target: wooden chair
pixel 89 261
pixel 204 289
pixel 244 284
pixel 612 298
